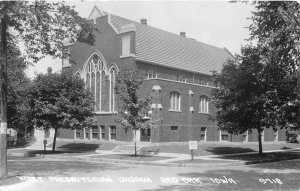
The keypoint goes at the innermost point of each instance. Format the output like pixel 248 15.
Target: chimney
pixel 144 21
pixel 49 70
pixel 182 34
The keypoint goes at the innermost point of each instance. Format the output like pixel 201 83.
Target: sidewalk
pixel 172 159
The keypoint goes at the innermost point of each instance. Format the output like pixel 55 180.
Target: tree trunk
pixel 259 142
pixel 3 101
pixel 54 140
pixel 298 99
pixel 135 142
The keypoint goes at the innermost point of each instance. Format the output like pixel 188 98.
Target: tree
pixel 276 27
pixel 259 89
pixel 18 82
pixel 132 108
pixel 60 101
pixel 42 27
pixel 248 99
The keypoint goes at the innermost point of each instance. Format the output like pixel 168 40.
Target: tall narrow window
pixel 175 101
pixel 125 45
pixel 151 74
pixel 98 85
pixel 113 132
pixel 112 91
pixel 102 132
pixel 77 135
pixel 203 104
pixel 95 132
pixel 223 135
pixel 94 72
pixel 203 131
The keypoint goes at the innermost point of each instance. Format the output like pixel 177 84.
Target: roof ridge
pixel 172 33
pixel 168 49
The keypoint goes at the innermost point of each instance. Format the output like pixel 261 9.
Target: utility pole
pixel 3 104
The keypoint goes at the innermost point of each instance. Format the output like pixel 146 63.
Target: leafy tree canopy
pixel 132 107
pixel 276 27
pixel 44 27
pixel 18 82
pixel 247 99
pixel 60 101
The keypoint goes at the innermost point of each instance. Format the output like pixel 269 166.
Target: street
pixel 49 174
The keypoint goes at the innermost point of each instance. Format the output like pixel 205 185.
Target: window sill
pixel 178 111
pixel 203 113
pixel 127 56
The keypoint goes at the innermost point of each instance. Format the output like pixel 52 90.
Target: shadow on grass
pixel 252 157
pixel 80 147
pixel 285 148
pixel 132 157
pixel 265 157
pixel 228 150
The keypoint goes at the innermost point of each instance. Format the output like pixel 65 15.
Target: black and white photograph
pixel 149 95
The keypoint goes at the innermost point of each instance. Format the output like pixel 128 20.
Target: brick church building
pixel 178 76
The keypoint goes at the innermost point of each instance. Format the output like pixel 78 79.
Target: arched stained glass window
pixel 94 74
pixel 98 82
pixel 112 91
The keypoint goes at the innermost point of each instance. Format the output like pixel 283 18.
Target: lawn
pixel 265 157
pixel 201 161
pixel 85 146
pixel 131 157
pixel 221 148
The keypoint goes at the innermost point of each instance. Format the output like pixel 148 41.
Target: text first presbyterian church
pixel 178 77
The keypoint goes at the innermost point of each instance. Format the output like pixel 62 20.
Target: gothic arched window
pixel 112 80
pixel 94 74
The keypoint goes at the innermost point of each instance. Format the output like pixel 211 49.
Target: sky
pixel 218 23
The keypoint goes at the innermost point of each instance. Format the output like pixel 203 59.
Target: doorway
pixel 145 135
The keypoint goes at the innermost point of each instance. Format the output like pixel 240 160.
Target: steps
pixel 126 149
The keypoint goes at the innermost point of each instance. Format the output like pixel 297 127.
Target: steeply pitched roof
pixel 164 48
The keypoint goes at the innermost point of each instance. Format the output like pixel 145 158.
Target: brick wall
pixel 189 123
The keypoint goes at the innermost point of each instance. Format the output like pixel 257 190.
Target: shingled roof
pixel 164 48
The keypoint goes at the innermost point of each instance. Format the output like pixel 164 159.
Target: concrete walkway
pixel 172 158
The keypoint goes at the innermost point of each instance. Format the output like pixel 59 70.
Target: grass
pixel 275 156
pixel 249 158
pixel 16 158
pixel 201 161
pixel 132 157
pixel 223 148
pixel 85 146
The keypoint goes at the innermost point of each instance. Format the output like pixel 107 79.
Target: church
pixel 178 77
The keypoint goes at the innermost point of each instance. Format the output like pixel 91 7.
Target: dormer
pixel 127 42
